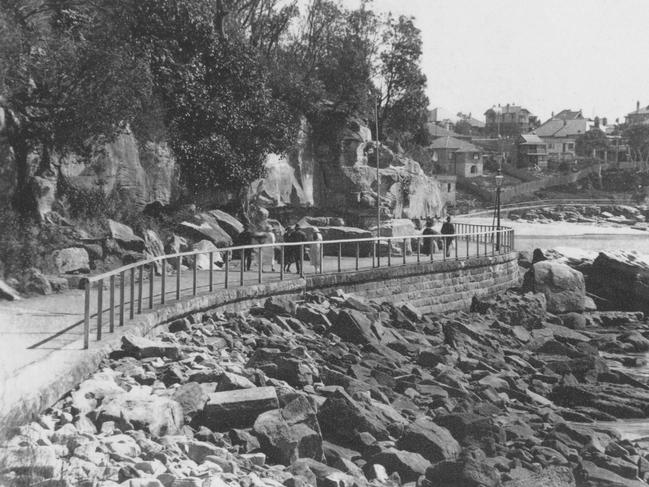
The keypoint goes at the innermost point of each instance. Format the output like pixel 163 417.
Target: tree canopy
pixel 224 81
pixel 589 143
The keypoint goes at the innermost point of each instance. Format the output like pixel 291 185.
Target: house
pixel 455 156
pixel 531 151
pixel 560 134
pixel 641 115
pixel 467 125
pixel 509 120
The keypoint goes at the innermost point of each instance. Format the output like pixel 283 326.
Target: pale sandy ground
pixel 524 228
pixel 575 239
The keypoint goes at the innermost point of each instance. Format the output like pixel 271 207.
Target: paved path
pixel 35 328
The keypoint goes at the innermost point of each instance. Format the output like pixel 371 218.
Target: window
pixel 571 146
pixel 449 187
pixel 476 156
pixel 474 169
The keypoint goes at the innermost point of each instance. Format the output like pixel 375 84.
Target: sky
pixel 545 55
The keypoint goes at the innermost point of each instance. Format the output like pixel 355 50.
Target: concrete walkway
pixel 35 328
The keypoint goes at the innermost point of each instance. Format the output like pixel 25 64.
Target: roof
pixel 641 111
pixel 438 131
pixel 568 114
pixel 439 114
pixel 532 139
pixel 562 128
pixel 508 109
pixel 474 122
pixel 454 144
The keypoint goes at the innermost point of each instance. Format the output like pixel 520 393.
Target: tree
pixel 404 104
pixel 67 79
pixel 222 116
pixel 587 144
pixel 638 141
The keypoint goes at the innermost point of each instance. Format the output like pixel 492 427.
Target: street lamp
pixel 499 185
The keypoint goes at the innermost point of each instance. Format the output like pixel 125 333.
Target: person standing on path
pixel 448 229
pixel 429 243
pixel 245 238
pixel 314 251
pixel 298 236
pixel 289 252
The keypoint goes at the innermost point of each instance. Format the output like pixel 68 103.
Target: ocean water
pixel 590 242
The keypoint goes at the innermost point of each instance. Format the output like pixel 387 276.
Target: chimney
pixel 637 106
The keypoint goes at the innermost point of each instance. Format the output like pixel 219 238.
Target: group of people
pixel 292 253
pixel 297 254
pixel 428 246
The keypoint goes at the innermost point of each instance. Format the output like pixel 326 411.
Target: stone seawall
pixel 431 287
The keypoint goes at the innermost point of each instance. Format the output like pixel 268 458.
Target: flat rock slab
pixel 140 348
pixel 7 292
pixel 238 408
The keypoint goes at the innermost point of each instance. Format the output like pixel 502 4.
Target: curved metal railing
pixel 334 256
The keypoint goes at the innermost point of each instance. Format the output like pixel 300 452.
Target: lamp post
pixel 378 181
pixel 499 185
pixel 378 175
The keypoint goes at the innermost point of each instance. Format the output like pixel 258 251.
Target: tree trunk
pixel 23 200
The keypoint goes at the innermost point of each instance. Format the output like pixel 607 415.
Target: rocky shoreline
pixel 336 391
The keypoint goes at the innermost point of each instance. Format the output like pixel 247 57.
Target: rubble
pixel 343 392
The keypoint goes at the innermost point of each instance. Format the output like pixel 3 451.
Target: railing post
pixel 484 237
pixel 151 282
pixel 122 285
pixel 340 253
pixel 194 275
pixel 243 263
pixel 468 239
pixel 227 268
pixel 111 316
pixel 477 244
pixel 163 280
pixel 404 251
pixel 281 263
pixel 131 311
pixel 86 317
pixel 211 271
pixel 373 253
pixel 418 250
pixel 301 260
pixel 179 263
pixel 358 253
pixel 321 252
pixel 389 252
pixel 100 306
pixel 139 289
pixel 260 264
pixel 444 248
pixel 457 240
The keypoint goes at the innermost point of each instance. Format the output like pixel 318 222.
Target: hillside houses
pixel 560 134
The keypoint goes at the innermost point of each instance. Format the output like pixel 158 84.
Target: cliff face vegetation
pixel 118 110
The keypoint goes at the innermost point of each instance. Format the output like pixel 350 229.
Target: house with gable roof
pixel 455 156
pixel 560 134
pixel 640 115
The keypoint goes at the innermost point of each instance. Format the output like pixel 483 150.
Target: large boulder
pixel 226 221
pixel 7 292
pixel 290 433
pixel 153 247
pixel 125 236
pixel 71 260
pixel 347 233
pixel 203 259
pixel 139 409
pixel 433 442
pixel 564 288
pixel 239 408
pixel 398 227
pixel 206 227
pixel 622 278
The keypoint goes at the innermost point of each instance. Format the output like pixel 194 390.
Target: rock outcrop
pixel 339 391
pixel 564 288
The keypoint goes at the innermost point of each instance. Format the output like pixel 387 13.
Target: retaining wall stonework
pixel 432 287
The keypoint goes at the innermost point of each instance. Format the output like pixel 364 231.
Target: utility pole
pixel 499 183
pixel 378 180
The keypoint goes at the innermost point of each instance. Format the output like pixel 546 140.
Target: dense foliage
pixel 224 81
